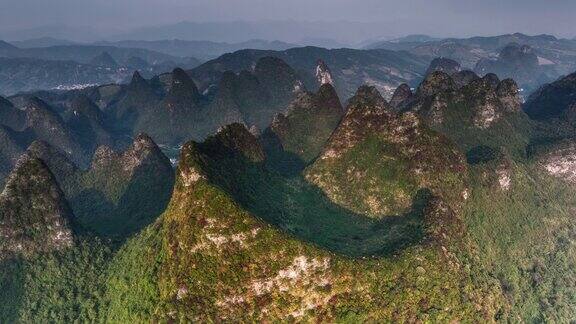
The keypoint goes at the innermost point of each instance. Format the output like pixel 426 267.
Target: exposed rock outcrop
pixel 560 161
pixel 323 74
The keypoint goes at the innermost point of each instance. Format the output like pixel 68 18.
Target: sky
pixel 435 17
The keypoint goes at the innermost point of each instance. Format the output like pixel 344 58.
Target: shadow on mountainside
pixel 303 210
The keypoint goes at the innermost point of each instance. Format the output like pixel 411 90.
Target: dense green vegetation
pixel 525 238
pixel 55 287
pixel 296 206
pixel 518 265
pixel 511 133
pixel 237 256
pixel 389 224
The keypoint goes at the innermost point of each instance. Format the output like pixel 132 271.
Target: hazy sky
pixel 436 17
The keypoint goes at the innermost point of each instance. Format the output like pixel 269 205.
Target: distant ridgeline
pixel 530 60
pixel 290 202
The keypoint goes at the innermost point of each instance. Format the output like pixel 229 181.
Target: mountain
pixel 89 123
pixel 290 31
pixel 74 126
pixel 370 124
pixel 46 124
pixel 554 100
pixel 416 38
pixel 34 215
pixel 56 30
pixel 68 67
pixel 183 94
pixel 305 127
pixel 555 56
pixel 254 97
pixel 84 53
pixel 350 68
pixel 445 65
pixel 508 178
pixel 119 193
pixel 206 236
pixel 519 63
pixel 13 145
pixel 173 110
pixel 401 95
pixel 485 112
pixel 400 44
pixel 104 60
pixel 5 46
pixel 455 206
pixel 35 119
pixel 10 115
pixel 28 74
pixel 137 63
pixel 203 50
pixel 138 98
pixel 41 42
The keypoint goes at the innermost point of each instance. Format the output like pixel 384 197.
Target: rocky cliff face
pixel 34 215
pixel 323 74
pixel 560 161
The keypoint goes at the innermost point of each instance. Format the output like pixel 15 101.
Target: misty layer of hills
pixel 49 63
pixel 291 184
pixel 531 60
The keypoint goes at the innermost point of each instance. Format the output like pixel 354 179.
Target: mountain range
pixel 65 67
pixel 531 60
pixel 300 193
pixel 549 56
pixel 203 50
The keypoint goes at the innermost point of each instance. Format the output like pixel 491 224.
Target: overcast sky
pixel 436 17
